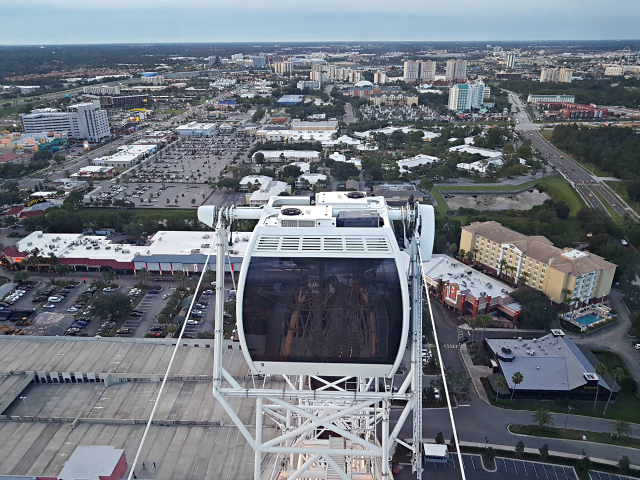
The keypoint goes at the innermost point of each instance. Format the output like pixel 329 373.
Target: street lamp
pixel 24 399
pixel 567 417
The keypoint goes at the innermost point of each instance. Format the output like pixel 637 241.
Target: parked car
pixel 72 310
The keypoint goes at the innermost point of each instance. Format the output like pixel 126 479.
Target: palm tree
pixel 144 275
pixel 517 379
pixel 566 298
pixel 542 417
pixel 470 255
pixel 181 278
pixel 622 428
pixel 461 254
pixel 500 382
pixel 600 371
pixel 62 270
pixel 503 263
pixel 34 259
pixel 523 278
pixel 617 373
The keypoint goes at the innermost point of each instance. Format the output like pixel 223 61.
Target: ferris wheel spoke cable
pixel 173 356
pixel 444 381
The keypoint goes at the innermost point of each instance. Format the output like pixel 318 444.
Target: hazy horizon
pixel 69 22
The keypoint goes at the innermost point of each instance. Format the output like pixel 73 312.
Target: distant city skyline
pixel 162 21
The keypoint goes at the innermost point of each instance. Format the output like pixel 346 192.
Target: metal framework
pixel 340 429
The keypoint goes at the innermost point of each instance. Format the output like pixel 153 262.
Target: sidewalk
pixel 475 372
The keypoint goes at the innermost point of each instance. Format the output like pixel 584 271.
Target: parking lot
pixel 506 469
pixel 180 175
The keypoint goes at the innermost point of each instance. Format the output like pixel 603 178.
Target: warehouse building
pixel 195 129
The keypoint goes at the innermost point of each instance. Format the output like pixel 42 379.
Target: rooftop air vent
pixel 291 211
pixel 356 195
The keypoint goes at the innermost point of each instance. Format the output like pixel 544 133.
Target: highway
pixel 588 186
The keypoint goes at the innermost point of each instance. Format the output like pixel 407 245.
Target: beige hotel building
pixel 547 268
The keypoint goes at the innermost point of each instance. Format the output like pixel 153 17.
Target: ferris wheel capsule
pixel 323 289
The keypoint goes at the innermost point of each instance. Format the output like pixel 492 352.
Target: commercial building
pixel 394 98
pixel 328 125
pixel 456 71
pixel 196 129
pixel 511 60
pixel 86 121
pixel 379 77
pixel 466 96
pixel 421 159
pixel 290 100
pixel 127 156
pixel 562 75
pixel 102 90
pixel 95 462
pixel 309 85
pixel 552 270
pixel 311 179
pixel 566 111
pixel 261 197
pixel 165 252
pixel 468 291
pixel 94 171
pixel 152 80
pixel 551 366
pixel 123 101
pixel 535 99
pixel 283 68
pixel 417 71
pixel 288 156
pixel 613 71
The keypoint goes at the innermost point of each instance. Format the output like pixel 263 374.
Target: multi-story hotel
pixel 558 273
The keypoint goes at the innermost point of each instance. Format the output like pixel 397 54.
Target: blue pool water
pixel 588 319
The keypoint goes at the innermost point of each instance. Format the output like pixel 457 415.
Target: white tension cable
pixel 173 356
pixel 444 382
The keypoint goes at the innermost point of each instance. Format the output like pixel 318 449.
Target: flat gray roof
pixel 192 436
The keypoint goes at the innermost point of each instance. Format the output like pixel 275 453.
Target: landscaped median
pixel 571 434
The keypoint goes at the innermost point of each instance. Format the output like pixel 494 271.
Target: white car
pixel 72 310
pixel 166 295
pixel 637 345
pixel 49 305
pixel 192 322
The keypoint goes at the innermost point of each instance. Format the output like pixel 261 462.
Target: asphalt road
pixel 588 185
pixel 477 421
pixel 348 117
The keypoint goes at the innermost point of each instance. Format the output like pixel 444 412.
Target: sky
pixel 29 22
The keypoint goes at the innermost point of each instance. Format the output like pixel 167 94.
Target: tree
pixel 62 270
pixel 622 428
pixel 617 373
pixel 503 263
pixel 542 417
pixel 259 157
pixel 144 275
pixel 440 439
pixel 453 248
pixel 483 322
pixel 115 305
pixel 600 371
pixel 109 276
pixel 500 382
pixel 544 451
pixel 517 379
pixel 168 201
pixel 624 464
pixel 193 201
pixel 519 448
pixel 21 276
pixel 344 170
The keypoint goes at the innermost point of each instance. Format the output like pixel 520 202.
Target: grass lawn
pixel 559 189
pixel 570 434
pixel 610 360
pixel 621 189
pixel 595 170
pixel 625 407
pixel 546 134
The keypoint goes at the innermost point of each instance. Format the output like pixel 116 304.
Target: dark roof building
pixel 551 366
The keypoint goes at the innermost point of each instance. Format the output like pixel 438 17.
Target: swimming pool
pixel 587 319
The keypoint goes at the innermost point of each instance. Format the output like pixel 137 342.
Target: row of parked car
pixel 14 296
